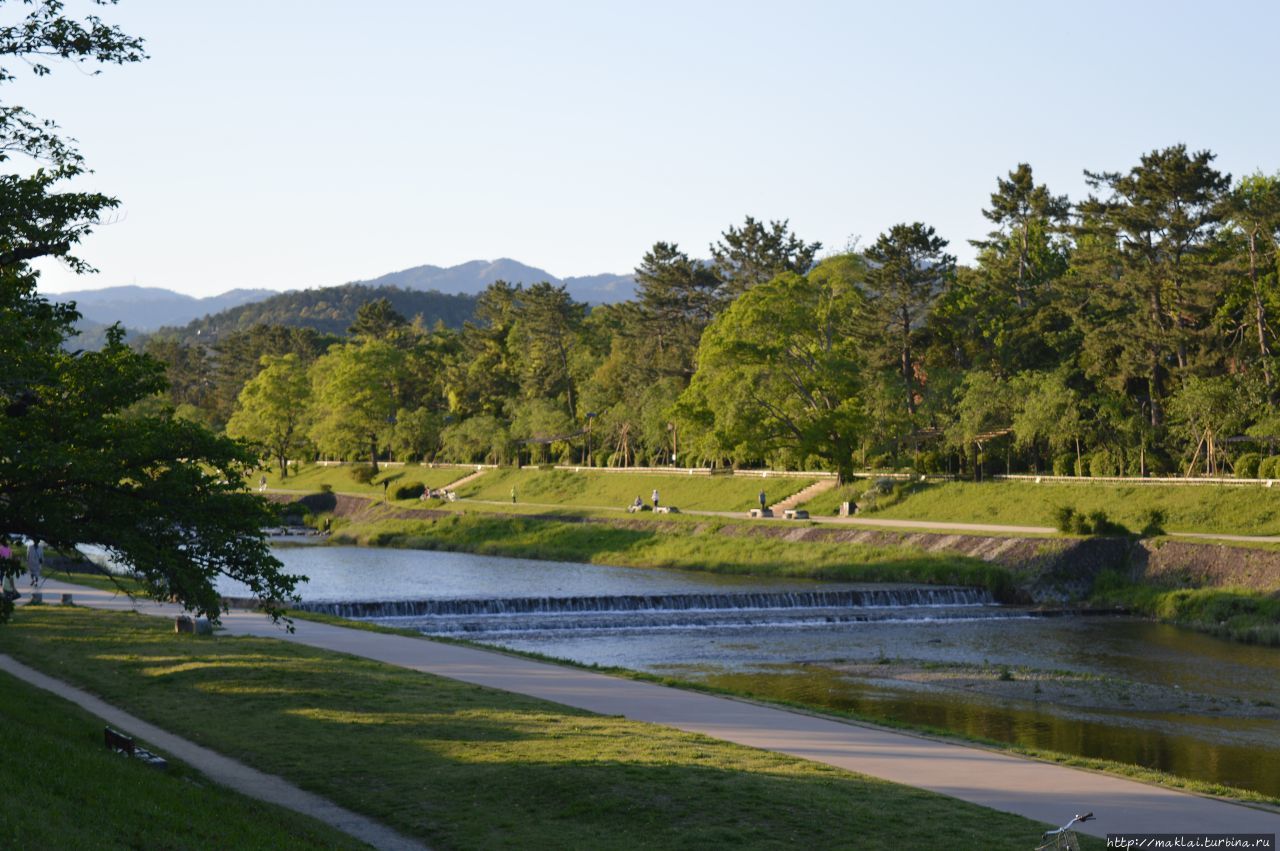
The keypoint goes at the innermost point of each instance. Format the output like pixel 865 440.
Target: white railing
pixel 1132 480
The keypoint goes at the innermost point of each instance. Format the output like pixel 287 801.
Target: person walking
pixel 513 494
pixel 35 562
pixel 764 503
pixel 655 499
pixel 262 483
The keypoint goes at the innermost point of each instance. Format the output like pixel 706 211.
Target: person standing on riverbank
pixel 513 495
pixel 35 562
pixel 655 499
pixel 764 503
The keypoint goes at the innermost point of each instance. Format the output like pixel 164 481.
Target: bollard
pixel 36 598
pixel 203 627
pixel 67 600
pixel 184 623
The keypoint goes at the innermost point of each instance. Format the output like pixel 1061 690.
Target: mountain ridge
pixel 147 309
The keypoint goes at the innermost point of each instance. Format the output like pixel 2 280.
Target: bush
pixel 362 474
pixel 409 490
pixel 1064 465
pixel 1073 522
pixel 931 462
pixel 1246 465
pixel 1080 466
pixel 1269 468
pixel 1153 520
pixel 325 487
pixel 1102 463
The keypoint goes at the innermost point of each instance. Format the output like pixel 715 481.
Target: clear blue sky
pixel 290 144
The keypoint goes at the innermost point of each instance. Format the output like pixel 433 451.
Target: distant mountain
pixel 330 310
pixel 472 277
pixel 149 308
pixel 146 309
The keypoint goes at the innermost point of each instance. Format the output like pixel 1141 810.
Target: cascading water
pixel 508 615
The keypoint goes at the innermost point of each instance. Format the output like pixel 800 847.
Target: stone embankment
pixel 1046 570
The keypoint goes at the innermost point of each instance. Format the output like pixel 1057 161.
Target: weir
pixel 753 601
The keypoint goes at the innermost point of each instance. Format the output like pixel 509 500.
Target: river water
pixel 820 644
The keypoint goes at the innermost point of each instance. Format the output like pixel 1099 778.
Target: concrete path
pixel 1043 791
pixel 218 768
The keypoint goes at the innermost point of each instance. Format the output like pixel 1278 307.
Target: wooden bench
pixel 795 514
pixel 122 744
pixel 762 512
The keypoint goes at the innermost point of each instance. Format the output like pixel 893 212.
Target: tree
pixel 1047 411
pixel 756 253
pixel 778 371
pixel 378 320
pixel 1021 255
pixel 163 495
pixel 908 269
pixel 416 433
pixel 1146 256
pixel 272 408
pixel 1253 212
pixel 357 388
pixel 676 297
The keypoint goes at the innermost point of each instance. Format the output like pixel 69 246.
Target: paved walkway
pixel 1043 791
pixel 218 768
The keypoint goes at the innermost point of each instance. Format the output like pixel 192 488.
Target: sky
pixel 286 144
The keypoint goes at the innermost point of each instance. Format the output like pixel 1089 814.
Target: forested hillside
pixel 329 310
pixel 1129 332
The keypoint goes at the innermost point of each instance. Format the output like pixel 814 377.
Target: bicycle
pixel 1064 838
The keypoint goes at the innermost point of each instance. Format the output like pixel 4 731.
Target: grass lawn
pixel 466 767
pixel 309 478
pixel 1243 509
pixel 564 487
pixel 62 789
pixel 690 547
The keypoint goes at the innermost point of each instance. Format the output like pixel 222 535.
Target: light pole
pixel 591 415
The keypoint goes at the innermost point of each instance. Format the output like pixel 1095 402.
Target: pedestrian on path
pixel 35 562
pixel 763 502
pixel 262 483
pixel 655 498
pixel 513 495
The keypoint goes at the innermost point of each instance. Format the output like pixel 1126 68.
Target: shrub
pixel 1247 465
pixel 930 462
pixel 1153 520
pixel 1064 465
pixel 409 490
pixel 325 487
pixel 1073 522
pixel 362 474
pixel 1102 463
pixel 1269 467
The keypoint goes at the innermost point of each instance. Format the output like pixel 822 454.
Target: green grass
pixel 63 789
pixel 310 478
pixel 1227 509
pixel 564 487
pixel 689 547
pixel 1120 769
pixel 466 767
pixel 1252 617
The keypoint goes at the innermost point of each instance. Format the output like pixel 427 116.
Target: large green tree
pixel 357 389
pixel 779 372
pixel 756 252
pixel 163 495
pixel 1147 266
pixel 908 269
pixel 273 407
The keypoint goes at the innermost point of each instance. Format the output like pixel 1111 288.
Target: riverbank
pixel 465 766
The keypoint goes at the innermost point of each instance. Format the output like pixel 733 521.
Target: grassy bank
pixel 1243 510
pixel 313 478
pixel 63 789
pixel 466 767
pixel 687 546
pixel 565 487
pixel 1251 617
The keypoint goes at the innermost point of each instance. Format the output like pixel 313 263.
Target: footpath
pixel 1038 790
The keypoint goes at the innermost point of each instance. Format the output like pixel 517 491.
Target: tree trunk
pixel 373 452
